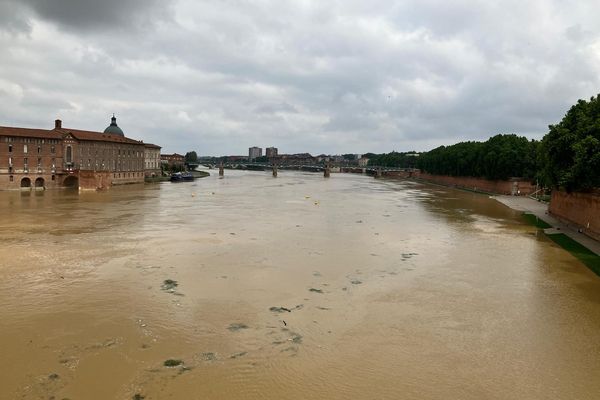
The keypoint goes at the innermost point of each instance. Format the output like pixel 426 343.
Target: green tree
pixel 191 157
pixel 570 153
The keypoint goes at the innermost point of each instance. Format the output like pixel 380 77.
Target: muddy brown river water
pixel 297 287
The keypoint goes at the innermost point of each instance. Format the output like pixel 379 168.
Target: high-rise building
pixel 254 152
pixel 271 152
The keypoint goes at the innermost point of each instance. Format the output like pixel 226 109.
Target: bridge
pixel 375 170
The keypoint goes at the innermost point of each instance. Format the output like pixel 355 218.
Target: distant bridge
pixel 325 168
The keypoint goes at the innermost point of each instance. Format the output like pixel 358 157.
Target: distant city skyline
pixel 302 76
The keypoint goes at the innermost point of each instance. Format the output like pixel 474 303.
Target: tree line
pixel 567 157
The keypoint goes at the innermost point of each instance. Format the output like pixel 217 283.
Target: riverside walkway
pixel 540 210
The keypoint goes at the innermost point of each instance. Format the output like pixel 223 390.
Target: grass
pixel 586 256
pixel 537 222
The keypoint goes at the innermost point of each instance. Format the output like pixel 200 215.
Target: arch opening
pixel 71 182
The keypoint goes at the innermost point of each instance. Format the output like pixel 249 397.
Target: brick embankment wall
pixel 398 174
pixel 522 188
pixel 94 180
pixel 579 209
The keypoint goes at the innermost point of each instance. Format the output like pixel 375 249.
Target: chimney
pixel 58 124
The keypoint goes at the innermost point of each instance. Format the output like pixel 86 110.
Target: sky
pixel 339 76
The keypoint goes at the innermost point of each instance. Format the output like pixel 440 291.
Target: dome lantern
pixel 113 128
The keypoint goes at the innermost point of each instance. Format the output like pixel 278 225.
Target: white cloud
pixel 339 76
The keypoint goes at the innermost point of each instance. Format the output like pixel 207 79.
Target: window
pixel 10 148
pixel 53 177
pixel 52 149
pixel 10 161
pixel 25 148
pixel 11 178
pixel 39 162
pixel 69 154
pixel 39 149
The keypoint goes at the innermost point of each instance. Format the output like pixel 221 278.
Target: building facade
pixel 151 160
pixel 271 152
pixel 64 157
pixel 254 152
pixel 173 160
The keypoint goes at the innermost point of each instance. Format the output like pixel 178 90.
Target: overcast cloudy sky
pixel 305 76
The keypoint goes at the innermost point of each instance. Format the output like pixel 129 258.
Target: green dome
pixel 113 128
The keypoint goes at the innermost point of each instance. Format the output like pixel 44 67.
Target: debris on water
pixel 359 221
pixel 208 356
pixel 315 290
pixel 299 307
pixel 323 308
pixel 232 233
pixel 291 348
pixel 169 284
pixel 344 288
pixel 172 363
pixel 284 323
pixel 237 326
pixel 296 338
pixel 138 396
pixel 408 255
pixel 238 355
pixel 355 282
pixel 317 273
pixel 53 377
pixel 279 309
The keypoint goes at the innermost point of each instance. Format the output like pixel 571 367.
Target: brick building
pixel 65 157
pixel 173 160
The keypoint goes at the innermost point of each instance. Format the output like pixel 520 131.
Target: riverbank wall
pixel 514 186
pixel 579 209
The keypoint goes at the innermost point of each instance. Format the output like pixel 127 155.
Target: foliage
pixel 393 159
pixel 261 159
pixel 570 152
pixel 500 157
pixel 191 157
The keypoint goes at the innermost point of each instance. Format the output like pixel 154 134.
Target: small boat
pixel 182 177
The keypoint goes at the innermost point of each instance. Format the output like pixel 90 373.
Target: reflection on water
pixel 296 287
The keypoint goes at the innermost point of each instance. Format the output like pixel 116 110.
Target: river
pixel 296 287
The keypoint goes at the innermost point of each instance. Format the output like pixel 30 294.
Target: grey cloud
pixel 276 108
pixel 105 15
pixel 312 76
